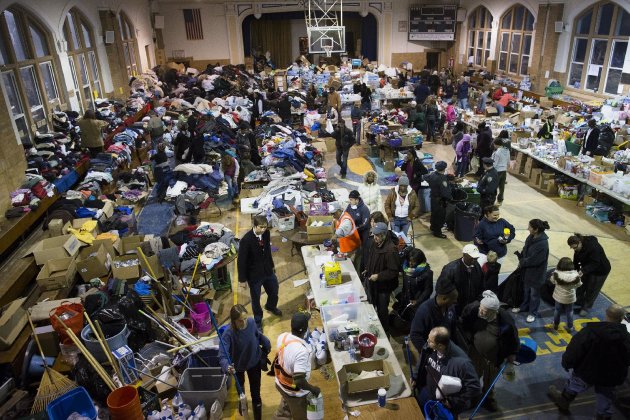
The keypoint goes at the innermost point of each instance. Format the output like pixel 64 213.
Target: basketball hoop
pixel 328 50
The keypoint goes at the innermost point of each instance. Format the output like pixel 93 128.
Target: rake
pixel 53 383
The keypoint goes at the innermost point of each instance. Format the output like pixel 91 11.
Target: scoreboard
pixel 432 23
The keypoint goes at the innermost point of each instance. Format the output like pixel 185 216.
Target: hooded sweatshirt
pixel 371 194
pixel 566 283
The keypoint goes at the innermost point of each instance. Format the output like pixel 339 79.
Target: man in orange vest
pixel 346 233
pixel 292 369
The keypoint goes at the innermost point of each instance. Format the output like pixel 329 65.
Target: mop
pixel 242 398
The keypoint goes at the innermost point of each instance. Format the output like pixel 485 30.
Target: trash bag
pixel 85 376
pixel 511 290
pixel 111 320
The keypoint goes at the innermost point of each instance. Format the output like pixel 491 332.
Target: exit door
pixel 433 60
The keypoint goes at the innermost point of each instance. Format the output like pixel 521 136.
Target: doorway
pixel 433 60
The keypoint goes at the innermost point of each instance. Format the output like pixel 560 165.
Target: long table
pixel 555 167
pixel 312 256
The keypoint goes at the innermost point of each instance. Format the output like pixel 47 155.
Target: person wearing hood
pixel 492 338
pixel 493 233
pixel 401 206
pixel 440 195
pixel 532 261
pixel 591 260
pixel 360 214
pixel 381 272
pixel 370 192
pixel 462 152
pixel 566 279
pixel 599 355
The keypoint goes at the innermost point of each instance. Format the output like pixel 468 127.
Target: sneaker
pixel 530 318
pixel 516 310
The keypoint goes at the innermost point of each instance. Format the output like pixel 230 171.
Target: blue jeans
pixel 531 300
pixel 499 107
pixel 462 167
pixel 231 187
pixel 567 309
pixel 270 283
pixel 463 103
pixel 604 395
pixel 400 224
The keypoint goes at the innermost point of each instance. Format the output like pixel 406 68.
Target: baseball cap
pixel 487 161
pixel 471 250
pixel 299 321
pixel 379 228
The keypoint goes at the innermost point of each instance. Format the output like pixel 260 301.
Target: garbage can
pixel 459 195
pixel 466 219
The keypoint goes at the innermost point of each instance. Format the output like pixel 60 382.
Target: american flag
pixel 192 20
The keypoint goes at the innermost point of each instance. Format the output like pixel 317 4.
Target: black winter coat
pixel 384 261
pixel 508 333
pixel 468 285
pixel 534 259
pixel 428 316
pixel 254 261
pixel 484 143
pixel 599 354
pixel 591 259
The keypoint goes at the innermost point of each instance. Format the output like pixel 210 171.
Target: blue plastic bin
pixel 75 401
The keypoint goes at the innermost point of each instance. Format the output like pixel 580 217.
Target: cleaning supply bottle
pixel 184 411
pixel 155 415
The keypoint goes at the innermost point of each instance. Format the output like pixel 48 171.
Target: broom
pixel 242 398
pixel 53 384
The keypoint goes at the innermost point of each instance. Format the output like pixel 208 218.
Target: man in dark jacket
pixel 484 145
pixel 440 196
pixel 422 92
pixel 436 312
pixel 355 115
pixel 381 271
pixel 467 276
pixel 492 339
pixel 546 129
pixel 360 214
pixel 599 355
pixel 445 359
pixel 591 140
pixel 257 270
pixel 589 258
pixel 488 184
pixel 462 94
pixel 343 143
pixel 284 109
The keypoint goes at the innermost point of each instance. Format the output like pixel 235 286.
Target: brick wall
pixel 12 160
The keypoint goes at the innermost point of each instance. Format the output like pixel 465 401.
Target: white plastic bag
pixel 329 126
pixel 315 407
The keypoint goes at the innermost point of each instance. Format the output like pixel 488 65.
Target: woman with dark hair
pixel 414 170
pixel 590 259
pixel 532 261
pixel 493 233
pixel 417 284
pixel 247 348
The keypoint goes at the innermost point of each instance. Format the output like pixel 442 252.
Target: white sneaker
pixel 530 318
pixel 516 310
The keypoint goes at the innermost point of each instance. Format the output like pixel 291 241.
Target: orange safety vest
pixel 351 242
pixel 284 378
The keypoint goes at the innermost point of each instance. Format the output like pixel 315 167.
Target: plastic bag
pixel 315 407
pixel 85 376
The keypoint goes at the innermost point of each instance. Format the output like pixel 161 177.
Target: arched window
pixel 128 37
pixel 598 51
pixel 29 72
pixel 479 36
pixel 82 59
pixel 515 39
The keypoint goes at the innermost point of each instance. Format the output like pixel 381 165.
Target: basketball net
pixel 328 50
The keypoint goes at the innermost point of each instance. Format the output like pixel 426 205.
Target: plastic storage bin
pixel 77 400
pixel 203 384
pixel 334 316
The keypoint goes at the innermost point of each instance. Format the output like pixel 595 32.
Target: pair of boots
pixel 563 400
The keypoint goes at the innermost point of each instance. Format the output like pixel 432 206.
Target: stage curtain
pixel 273 36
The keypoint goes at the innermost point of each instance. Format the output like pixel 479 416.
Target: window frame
pixel 485 28
pixel 25 21
pixel 129 44
pixel 592 37
pixel 520 55
pixel 78 55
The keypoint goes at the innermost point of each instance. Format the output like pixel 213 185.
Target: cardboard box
pixel 534 176
pixel 154 263
pixel 550 186
pixel 327 229
pixel 55 227
pixel 57 273
pixel 49 339
pixel 545 177
pixel 93 261
pixel 491 111
pixel 330 144
pixel 108 210
pixel 127 272
pixel 519 165
pixel 78 224
pixel 520 134
pixel 130 244
pixel 529 165
pixel 127 364
pixel 111 247
pixel 365 384
pixel 12 322
pixel 54 248
pixel 523 115
pixel 545 102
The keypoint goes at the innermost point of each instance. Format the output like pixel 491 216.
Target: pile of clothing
pixel 132 185
pixel 53 155
pixel 27 197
